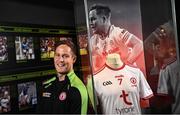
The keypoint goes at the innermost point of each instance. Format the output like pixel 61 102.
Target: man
pixel 108 39
pixel 165 50
pixel 161 42
pixel 65 93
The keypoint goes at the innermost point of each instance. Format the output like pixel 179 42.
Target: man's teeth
pixel 61 65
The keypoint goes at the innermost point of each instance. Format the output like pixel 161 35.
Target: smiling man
pixel 64 93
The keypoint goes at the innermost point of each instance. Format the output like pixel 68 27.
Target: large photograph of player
pixel 24 47
pixel 47 47
pixel 117 53
pixel 5 103
pixel 3 49
pixel 119 31
pixel 27 95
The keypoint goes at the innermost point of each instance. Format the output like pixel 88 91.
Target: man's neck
pixel 61 77
pixel 107 29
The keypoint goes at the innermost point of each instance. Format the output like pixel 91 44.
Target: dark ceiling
pixel 62 4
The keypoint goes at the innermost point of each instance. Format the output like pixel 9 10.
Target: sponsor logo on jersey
pixel 125 98
pixel 107 83
pixel 62 96
pixel 133 81
pixel 126 110
pixel 46 94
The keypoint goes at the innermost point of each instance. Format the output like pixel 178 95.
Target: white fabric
pixel 110 84
pixel 117 38
pixel 169 83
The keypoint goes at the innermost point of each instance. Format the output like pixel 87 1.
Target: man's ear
pixel 74 58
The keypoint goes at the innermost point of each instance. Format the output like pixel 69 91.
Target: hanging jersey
pixel 119 90
pixel 168 83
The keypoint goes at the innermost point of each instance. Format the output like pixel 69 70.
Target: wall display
pixel 27 50
pixel 47 47
pixel 24 48
pixel 65 38
pixel 27 95
pixel 50 20
pixel 83 43
pixel 3 49
pixel 5 99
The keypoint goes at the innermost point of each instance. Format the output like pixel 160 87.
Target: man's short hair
pixel 69 43
pixel 101 9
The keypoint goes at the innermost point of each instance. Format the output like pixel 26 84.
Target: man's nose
pixel 91 22
pixel 60 59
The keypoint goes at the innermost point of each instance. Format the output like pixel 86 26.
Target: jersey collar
pixel 116 68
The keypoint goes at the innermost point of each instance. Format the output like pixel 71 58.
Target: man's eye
pixel 92 19
pixel 65 56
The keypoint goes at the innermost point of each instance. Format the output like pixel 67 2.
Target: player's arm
pixel 137 48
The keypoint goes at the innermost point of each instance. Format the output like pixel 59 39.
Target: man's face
pixel 64 59
pixel 96 22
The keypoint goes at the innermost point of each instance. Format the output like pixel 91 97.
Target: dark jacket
pixel 68 96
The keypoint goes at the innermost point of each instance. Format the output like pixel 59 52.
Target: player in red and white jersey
pixel 107 38
pixel 120 87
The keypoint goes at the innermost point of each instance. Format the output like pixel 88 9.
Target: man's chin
pixel 94 31
pixel 63 72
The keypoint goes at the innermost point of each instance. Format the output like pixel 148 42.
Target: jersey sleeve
pixel 145 90
pixel 163 82
pixel 124 36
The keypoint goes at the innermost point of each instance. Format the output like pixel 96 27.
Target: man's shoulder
pixel 119 29
pixel 75 81
pixel 169 62
pixel 77 85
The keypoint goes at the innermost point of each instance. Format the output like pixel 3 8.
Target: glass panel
pixel 161 54
pixel 117 56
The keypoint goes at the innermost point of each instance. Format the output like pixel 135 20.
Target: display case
pixel 153 24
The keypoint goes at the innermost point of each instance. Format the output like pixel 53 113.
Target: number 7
pixel 119 78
